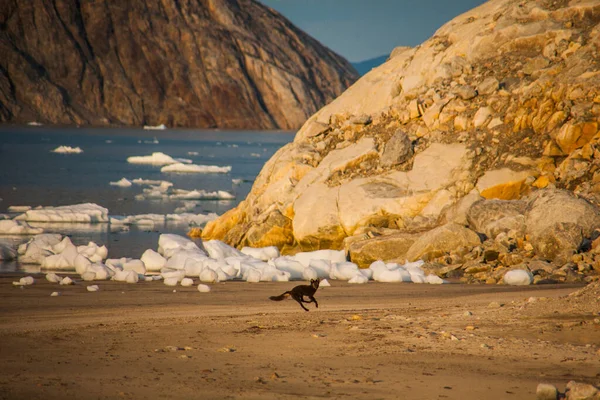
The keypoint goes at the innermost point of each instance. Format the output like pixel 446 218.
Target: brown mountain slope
pixel 202 63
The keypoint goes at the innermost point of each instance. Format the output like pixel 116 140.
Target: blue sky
pixel 364 29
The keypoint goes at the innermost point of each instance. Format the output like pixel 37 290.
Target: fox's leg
pixel 299 299
pixel 313 300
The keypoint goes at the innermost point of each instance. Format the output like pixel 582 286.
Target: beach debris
pixel 25 281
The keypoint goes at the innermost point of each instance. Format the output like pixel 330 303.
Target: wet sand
pixel 372 341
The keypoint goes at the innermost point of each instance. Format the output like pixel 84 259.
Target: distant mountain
pixel 200 63
pixel 362 67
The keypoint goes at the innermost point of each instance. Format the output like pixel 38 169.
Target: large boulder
pixel 386 248
pixel 440 241
pixel 558 221
pixel 492 217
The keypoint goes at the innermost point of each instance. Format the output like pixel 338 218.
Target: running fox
pixel 299 292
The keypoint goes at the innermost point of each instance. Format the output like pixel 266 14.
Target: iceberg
pixel 193 168
pixel 123 182
pixel 87 212
pixel 67 150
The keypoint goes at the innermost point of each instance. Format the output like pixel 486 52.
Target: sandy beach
pixel 372 341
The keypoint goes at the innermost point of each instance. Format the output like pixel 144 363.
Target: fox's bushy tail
pixel 280 297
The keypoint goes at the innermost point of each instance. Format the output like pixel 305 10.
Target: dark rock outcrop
pixel 202 63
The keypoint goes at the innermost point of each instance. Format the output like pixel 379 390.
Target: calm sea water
pixel 32 175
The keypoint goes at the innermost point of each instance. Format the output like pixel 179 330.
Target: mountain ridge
pixel 206 64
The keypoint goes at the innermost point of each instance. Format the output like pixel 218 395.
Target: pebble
pixel 495 304
pixel 467 313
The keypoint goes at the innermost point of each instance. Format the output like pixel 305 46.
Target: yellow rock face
pixel 572 137
pixel 218 228
pixel 506 191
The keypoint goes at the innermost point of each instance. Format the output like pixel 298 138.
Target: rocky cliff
pixel 188 63
pixel 477 151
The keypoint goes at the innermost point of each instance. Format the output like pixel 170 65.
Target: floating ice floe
pixel 140 181
pixel 155 127
pixel 237 181
pixel 12 227
pixel 18 209
pixel 157 158
pixel 198 169
pixel 34 123
pixel 518 277
pixel 159 219
pixel 67 150
pixel 193 153
pixel 123 182
pixel 87 212
pixel 180 194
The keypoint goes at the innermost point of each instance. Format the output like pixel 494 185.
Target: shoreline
pixel 377 340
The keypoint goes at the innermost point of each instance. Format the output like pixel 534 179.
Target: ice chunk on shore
pixel 187 282
pixel 262 253
pixel 67 150
pixel 87 212
pixel 12 227
pixel 153 261
pixel 38 248
pixel 25 281
pixel 66 281
pixel 52 277
pixel 197 169
pixel 333 256
pixel 126 276
pixel 169 243
pixel 359 279
pixel 93 252
pixel 123 182
pixel 203 288
pixel 518 277
pixel 219 250
pixel 344 271
pixel 93 288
